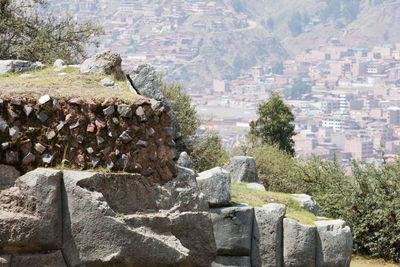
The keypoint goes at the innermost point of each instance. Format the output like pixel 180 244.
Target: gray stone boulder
pixel 266 249
pixel 51 259
pixel 18 66
pixel 59 63
pixel 106 62
pixel 185 160
pixel 215 184
pixel 145 81
pixel 334 244
pixel 307 202
pixel 30 213
pixel 8 175
pixel 242 169
pixel 232 230
pixel 299 244
pixel 256 186
pixel 231 261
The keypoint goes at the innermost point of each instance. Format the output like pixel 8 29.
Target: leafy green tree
pixel 275 124
pixel 277 68
pixel 298 89
pixel 25 33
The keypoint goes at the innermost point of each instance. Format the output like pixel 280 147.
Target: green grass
pixel 257 198
pixel 73 84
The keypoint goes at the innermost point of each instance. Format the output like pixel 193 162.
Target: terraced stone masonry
pixel 118 136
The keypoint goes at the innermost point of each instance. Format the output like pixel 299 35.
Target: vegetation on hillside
pixel 27 34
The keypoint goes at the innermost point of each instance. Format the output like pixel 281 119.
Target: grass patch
pixel 257 198
pixel 361 261
pixel 72 84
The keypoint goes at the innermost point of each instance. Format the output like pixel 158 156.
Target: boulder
pixel 266 248
pixel 232 230
pixel 307 202
pixel 107 62
pixel 334 244
pixel 30 213
pixel 242 169
pixel 8 175
pixel 145 81
pixel 51 259
pixel 299 244
pixel 18 66
pixel 256 186
pixel 59 63
pixel 185 160
pixel 231 261
pixel 215 184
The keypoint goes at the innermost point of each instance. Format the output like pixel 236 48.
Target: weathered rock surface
pixel 231 261
pixel 145 81
pixel 18 66
pixel 256 186
pixel 185 160
pixel 52 259
pixel 242 169
pixel 299 244
pixel 5 260
pixel 215 184
pixel 308 203
pixel 8 175
pixel 232 230
pixel 267 244
pixel 107 62
pixel 30 213
pixel 335 243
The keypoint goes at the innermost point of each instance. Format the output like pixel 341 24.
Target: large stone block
pixel 307 202
pixel 233 229
pixel 107 62
pixel 215 184
pixel 242 169
pixel 299 244
pixel 52 259
pixel 18 66
pixel 335 243
pixel 231 261
pixel 267 247
pixel 30 213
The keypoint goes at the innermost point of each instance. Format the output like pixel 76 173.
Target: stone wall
pixel 117 136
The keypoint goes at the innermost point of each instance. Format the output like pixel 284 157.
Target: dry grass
pixel 72 84
pixel 359 261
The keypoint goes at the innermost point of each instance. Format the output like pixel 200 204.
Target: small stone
pixel 44 99
pixel 100 124
pixel 80 138
pixel 115 121
pixel 12 114
pixel 256 186
pixel 42 116
pixel 125 137
pixel 109 164
pixel 60 126
pixel 159 141
pixel 172 143
pixel 80 160
pixel 50 134
pixel 3 125
pixel 109 111
pixel 59 63
pixel 151 132
pixel 5 145
pixel 90 150
pixel 140 113
pixel 40 148
pixel 95 162
pixel 110 134
pixel 1 102
pixel 107 82
pixel 156 106
pixel 106 151
pixel 12 157
pixel 91 128
pixel 76 101
pixel 156 119
pixel 117 152
pixel 68 118
pixel 141 143
pixel 125 111
pixel 27 75
pixel 27 110
pixel 148 172
pixel 123 161
pixel 100 140
pixel 16 102
pixel 169 131
pixel 28 159
pixel 14 132
pixel 56 105
pixel 46 158
pixel 74 125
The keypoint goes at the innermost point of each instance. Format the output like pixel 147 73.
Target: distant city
pixel 353 110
